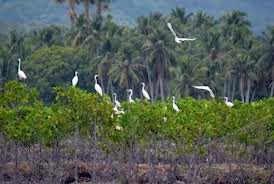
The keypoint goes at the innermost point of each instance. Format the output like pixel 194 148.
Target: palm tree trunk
pixel 99 8
pixel 233 88
pixel 247 95
pixel 156 89
pixel 225 87
pixel 86 7
pixel 242 88
pixel 272 89
pixel 161 88
pixel 72 11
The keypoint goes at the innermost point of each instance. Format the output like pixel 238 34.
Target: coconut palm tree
pixel 181 14
pixel 72 8
pixel 189 72
pixel 266 61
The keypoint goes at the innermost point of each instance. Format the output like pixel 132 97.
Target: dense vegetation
pixel 226 56
pixel 46 125
pixel 197 133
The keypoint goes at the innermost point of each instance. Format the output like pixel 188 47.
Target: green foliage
pixel 25 119
pixel 52 66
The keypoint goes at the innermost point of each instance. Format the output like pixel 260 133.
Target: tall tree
pixel 72 8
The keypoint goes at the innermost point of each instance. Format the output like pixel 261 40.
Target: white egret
pixel 116 102
pixel 205 88
pixel 130 96
pixel 118 127
pixel 117 111
pixel 97 87
pixel 175 107
pixel 75 79
pixel 144 92
pixel 177 39
pixel 229 104
pixel 21 74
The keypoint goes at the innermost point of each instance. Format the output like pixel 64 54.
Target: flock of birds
pixel 117 104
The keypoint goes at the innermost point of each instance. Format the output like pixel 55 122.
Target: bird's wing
pixel 74 81
pixel 146 95
pixel 176 108
pixel 117 103
pixel 187 39
pixel 201 87
pixel 22 74
pixel 98 89
pixel 171 29
pixel 205 88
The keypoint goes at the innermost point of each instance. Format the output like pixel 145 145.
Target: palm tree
pixel 100 5
pixel 125 70
pixel 188 72
pixel 72 8
pixel 181 14
pixel 244 68
pixel 235 27
pixel 159 56
pixel 266 61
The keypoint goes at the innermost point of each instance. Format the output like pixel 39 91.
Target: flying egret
pixel 229 104
pixel 144 92
pixel 21 74
pixel 177 39
pixel 205 88
pixel 116 102
pixel 175 107
pixel 97 87
pixel 130 96
pixel 75 79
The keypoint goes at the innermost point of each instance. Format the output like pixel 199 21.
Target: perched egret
pixel 75 79
pixel 21 74
pixel 130 96
pixel 175 107
pixel 205 88
pixel 229 104
pixel 116 102
pixel 118 127
pixel 97 87
pixel 177 39
pixel 144 92
pixel 117 111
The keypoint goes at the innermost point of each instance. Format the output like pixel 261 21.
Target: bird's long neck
pixel 19 66
pixel 115 98
pixel 173 100
pixel 143 87
pixel 129 96
pixel 95 80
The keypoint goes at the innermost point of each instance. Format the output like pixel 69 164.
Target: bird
pixel 21 74
pixel 97 87
pixel 118 127
pixel 229 104
pixel 116 102
pixel 117 111
pixel 144 92
pixel 75 79
pixel 130 96
pixel 175 107
pixel 205 88
pixel 177 39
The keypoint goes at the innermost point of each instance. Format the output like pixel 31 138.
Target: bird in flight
pixel 205 88
pixel 177 39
